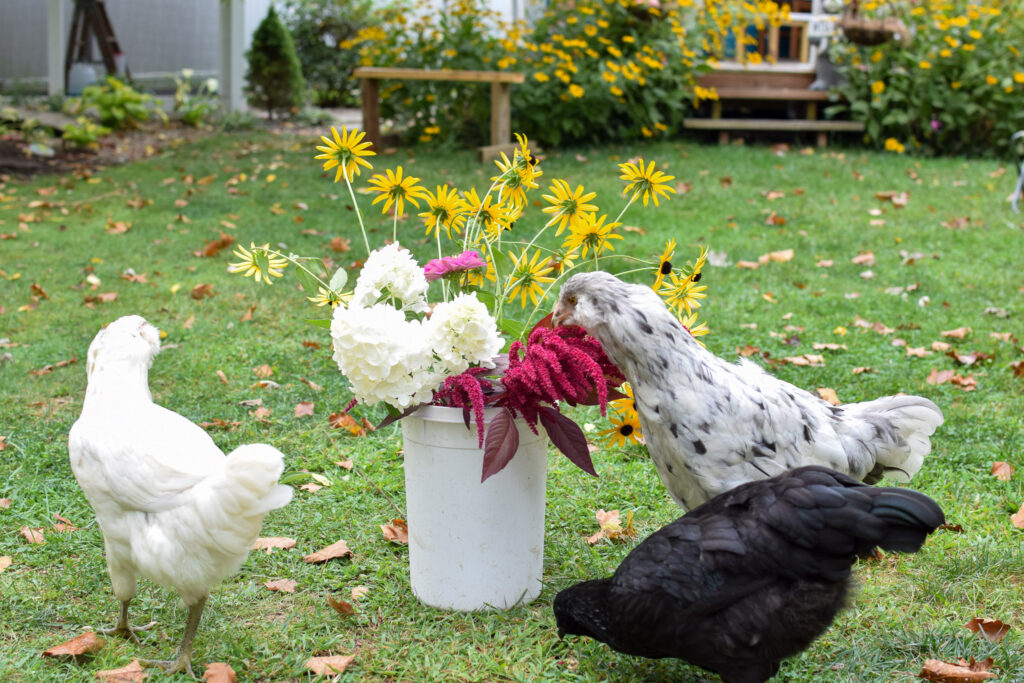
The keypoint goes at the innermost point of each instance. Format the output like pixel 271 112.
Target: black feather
pixel 749 578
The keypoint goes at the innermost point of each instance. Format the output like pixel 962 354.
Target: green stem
pixel 298 265
pixel 628 204
pixel 359 214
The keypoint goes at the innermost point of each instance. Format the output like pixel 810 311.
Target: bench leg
pixel 501 113
pixel 822 139
pixel 371 110
pixel 723 137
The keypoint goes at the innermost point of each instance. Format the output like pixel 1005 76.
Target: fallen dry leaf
pixel 263 371
pixel 828 346
pixel 825 263
pixel 329 666
pixel 3 445
pixel 396 532
pixel 340 245
pixel 1017 518
pixel 247 316
pixel 861 370
pixel 359 592
pixel 219 672
pixel 133 673
pixel 829 395
pixel 812 359
pixel 270 543
pixel 214 247
pixel 612 528
pixel 774 219
pixel 218 423
pixel 84 644
pixel 866 258
pixel 5 562
pixel 343 420
pixel 750 265
pixel 993 629
pixel 962 672
pixel 335 550
pixel 344 464
pixel 340 606
pixel 63 525
pixel 261 414
pixel 918 351
pixel 780 256
pixel 311 487
pixel 282 585
pixel 311 384
pixel 1003 471
pixel 969 359
pixel 32 535
pixel 304 409
pixel 223 377
pixel 202 291
pixel 958 333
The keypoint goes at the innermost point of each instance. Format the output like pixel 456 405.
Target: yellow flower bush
pixel 953 89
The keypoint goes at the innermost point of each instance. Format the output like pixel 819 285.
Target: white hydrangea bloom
pixel 393 269
pixel 384 356
pixel 462 333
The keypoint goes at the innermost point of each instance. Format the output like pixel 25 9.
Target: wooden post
pixel 501 113
pixel 812 111
pixel 371 110
pixel 55 82
pixel 232 55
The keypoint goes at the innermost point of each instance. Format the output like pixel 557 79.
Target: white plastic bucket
pixel 472 545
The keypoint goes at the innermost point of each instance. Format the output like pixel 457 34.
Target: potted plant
pixel 427 343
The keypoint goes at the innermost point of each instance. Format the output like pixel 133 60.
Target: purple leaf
pixel 568 438
pixel 500 444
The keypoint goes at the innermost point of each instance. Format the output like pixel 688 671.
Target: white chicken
pixel 711 425
pixel 170 505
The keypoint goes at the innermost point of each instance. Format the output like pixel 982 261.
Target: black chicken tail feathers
pixel 910 516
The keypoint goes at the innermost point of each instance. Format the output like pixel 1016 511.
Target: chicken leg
pixel 183 660
pixel 123 628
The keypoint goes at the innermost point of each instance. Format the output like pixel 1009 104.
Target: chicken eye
pixel 571 299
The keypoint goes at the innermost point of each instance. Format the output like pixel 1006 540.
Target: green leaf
pixel 326 324
pixel 339 279
pixel 308 282
pixel 512 328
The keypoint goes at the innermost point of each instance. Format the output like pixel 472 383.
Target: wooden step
pixel 799 94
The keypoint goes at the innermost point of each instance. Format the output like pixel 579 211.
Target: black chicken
pixel 750 577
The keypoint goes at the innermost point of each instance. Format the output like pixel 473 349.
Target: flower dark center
pixel 666 267
pixel 626 430
pixel 696 277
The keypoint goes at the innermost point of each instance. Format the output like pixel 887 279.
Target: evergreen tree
pixel 274 78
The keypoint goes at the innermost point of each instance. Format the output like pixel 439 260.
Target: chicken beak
pixel 559 314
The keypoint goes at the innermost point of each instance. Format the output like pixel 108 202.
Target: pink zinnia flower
pixel 439 267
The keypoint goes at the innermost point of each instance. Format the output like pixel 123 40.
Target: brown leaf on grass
pixel 344 464
pixel 774 219
pixel 993 629
pixel 222 376
pixel 133 673
pixel 341 606
pixel 263 371
pixel 961 672
pixel 269 543
pixel 247 316
pixel 3 445
pixel 941 346
pixel 311 487
pixel 772 195
pixel 969 359
pixel 335 550
pixel 747 350
pixel 612 528
pixel 38 291
pixel 953 528
pixel 968 383
pixel 861 370
pixel 282 585
pixel 5 562
pixel 118 227
pixel 918 351
pixel 219 672
pixel 780 256
pixel 34 535
pixel 340 244
pixel 311 384
pixel 866 258
pixel 214 247
pixel 309 344
pixel 828 346
pixel 812 359
pixel 343 420
pixel 202 291
pixel 749 265
pixel 47 369
pixel 829 395
pixel 359 592
pixel 725 181
pixel 1017 518
pixel 218 423
pixel 304 409
pixel 1003 471
pixel 1018 368
pixel 958 333
pixel 396 532
pixel 261 414
pixel 189 322
pixel 329 666
pixel 937 377
pixel 83 644
pixel 63 525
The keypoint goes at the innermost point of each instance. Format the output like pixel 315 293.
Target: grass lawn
pixel 955 246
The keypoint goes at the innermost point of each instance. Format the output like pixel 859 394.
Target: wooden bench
pixel 758 87
pixel 501 83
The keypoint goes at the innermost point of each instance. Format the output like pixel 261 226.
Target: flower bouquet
pixel 407 335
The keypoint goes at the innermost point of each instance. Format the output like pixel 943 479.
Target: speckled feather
pixel 749 578
pixel 711 425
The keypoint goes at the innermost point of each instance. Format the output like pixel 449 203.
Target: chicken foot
pixel 183 660
pixel 123 628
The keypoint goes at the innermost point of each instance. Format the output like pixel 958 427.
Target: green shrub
pixel 957 88
pixel 85 134
pixel 117 104
pixel 319 28
pixel 274 79
pixel 194 102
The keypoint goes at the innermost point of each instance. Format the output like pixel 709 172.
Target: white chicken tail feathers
pixel 236 499
pixel 915 419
